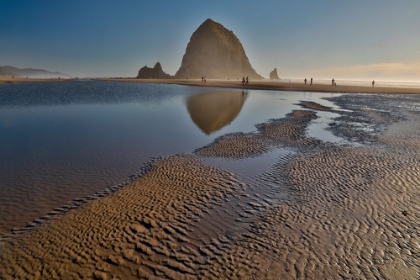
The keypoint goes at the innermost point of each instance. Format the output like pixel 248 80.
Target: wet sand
pixel 274 85
pixel 349 213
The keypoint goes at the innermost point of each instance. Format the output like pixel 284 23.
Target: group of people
pixel 306 81
pixel 245 81
pixel 333 83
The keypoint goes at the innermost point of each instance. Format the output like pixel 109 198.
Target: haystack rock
pixel 153 73
pixel 273 75
pixel 215 52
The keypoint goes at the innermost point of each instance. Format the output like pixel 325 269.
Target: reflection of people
pixel 305 81
pixel 373 83
pixel 311 81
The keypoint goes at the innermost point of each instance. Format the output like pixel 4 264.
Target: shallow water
pixel 59 141
pixel 319 128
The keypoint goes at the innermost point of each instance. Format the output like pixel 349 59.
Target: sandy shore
pixel 350 213
pixel 274 85
pixel 262 85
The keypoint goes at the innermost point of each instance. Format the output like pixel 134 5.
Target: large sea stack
pixel 215 52
pixel 153 73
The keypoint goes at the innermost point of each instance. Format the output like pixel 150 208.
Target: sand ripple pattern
pixel 288 131
pixel 143 230
pixel 352 215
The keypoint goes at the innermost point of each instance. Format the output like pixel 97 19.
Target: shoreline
pixel 254 85
pixel 275 85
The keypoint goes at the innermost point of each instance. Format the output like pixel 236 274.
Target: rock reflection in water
pixel 214 110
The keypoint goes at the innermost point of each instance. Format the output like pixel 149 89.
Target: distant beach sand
pixel 282 85
pixel 277 85
pixel 350 212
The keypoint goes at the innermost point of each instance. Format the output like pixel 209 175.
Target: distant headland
pixel 11 71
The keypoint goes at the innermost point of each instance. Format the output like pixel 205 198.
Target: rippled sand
pixel 350 212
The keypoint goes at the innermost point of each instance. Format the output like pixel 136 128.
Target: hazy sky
pixel 344 39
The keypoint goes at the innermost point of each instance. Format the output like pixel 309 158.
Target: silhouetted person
pixel 243 81
pixel 305 81
pixel 202 79
pixel 311 81
pixel 332 83
pixel 373 83
pixel 246 80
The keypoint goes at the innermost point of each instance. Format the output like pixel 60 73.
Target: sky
pixel 375 39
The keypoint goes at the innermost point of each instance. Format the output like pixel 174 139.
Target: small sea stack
pixel 153 73
pixel 274 75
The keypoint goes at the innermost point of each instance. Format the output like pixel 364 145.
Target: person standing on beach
pixel 373 83
pixel 205 79
pixel 243 81
pixel 332 84
pixel 246 80
pixel 311 81
pixel 305 81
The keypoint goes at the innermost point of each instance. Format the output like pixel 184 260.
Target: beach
pixel 282 85
pixel 324 211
